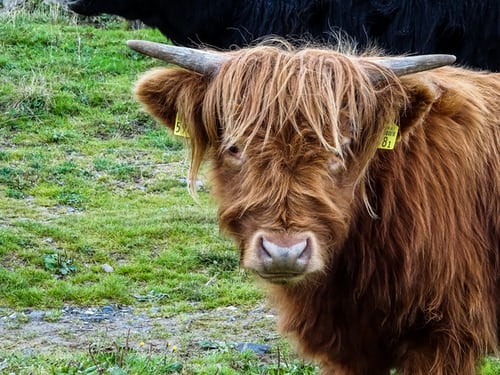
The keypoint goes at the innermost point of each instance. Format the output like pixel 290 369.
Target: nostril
pixel 306 253
pixel 265 254
pixel 299 249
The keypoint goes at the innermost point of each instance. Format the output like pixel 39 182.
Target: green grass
pixel 491 366
pixel 87 178
pixel 121 359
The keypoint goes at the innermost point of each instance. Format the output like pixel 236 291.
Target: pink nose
pixel 282 254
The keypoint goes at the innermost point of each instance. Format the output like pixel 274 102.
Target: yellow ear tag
pixel 389 137
pixel 180 128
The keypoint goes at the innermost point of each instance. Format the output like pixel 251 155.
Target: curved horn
pixel 203 62
pixel 414 64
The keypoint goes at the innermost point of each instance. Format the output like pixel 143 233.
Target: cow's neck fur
pixel 362 282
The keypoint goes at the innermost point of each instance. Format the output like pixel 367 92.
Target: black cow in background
pixel 469 29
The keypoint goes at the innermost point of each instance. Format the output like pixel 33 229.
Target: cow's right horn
pixel 204 62
pixel 413 64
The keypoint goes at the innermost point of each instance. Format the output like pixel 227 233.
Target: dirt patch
pixel 76 328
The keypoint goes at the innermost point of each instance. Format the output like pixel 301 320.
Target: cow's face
pixel 290 139
pixel 286 199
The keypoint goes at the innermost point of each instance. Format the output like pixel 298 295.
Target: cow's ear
pixel 421 96
pixel 168 93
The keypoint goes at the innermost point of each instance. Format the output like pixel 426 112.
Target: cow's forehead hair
pixel 265 90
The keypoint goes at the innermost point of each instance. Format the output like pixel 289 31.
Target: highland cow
pixel 469 29
pixel 380 251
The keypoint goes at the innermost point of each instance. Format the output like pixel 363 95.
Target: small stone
pixel 37 315
pixel 107 309
pixel 259 349
pixel 107 268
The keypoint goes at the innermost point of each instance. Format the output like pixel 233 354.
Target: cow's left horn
pixel 414 64
pixel 203 62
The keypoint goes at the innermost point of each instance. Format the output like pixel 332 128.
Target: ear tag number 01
pixel 389 137
pixel 180 128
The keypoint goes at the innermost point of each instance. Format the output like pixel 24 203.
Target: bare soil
pixel 76 328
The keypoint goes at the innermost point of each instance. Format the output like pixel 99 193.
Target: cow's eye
pixel 233 158
pixel 235 151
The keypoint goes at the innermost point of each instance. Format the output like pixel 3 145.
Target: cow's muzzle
pixel 283 257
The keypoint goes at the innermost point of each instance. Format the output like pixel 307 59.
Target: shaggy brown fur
pixel 408 240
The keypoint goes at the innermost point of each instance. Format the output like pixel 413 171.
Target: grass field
pixel 88 180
